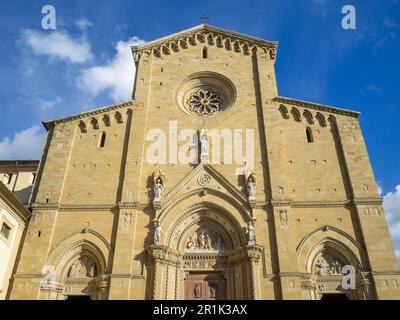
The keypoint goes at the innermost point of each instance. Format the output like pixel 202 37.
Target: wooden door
pixel 205 286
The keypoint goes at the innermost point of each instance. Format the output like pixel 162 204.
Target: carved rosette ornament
pixel 204 180
pixel 204 102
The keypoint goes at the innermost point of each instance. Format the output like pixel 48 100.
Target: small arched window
pixel 309 135
pixel 205 53
pixel 103 140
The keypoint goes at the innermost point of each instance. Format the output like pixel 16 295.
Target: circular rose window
pixel 205 94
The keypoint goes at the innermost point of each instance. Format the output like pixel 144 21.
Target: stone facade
pixel 110 224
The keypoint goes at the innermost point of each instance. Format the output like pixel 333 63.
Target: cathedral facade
pixel 206 185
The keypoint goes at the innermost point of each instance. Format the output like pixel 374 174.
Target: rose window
pixel 204 102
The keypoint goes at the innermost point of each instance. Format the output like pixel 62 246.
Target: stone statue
pixel 209 244
pixel 197 291
pixel 158 189
pixel 92 270
pixel 203 143
pixel 202 241
pixel 158 184
pixel 251 186
pixel 251 235
pixel 157 234
pixel 72 271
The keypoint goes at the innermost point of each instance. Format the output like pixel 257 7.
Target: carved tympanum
pixel 205 240
pixel 82 267
pixel 327 264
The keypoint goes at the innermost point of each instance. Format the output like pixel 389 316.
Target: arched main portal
pixel 204 255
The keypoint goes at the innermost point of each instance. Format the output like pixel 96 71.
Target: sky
pixel 86 63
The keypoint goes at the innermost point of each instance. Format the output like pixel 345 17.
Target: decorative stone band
pixel 368 201
pixel 134 106
pixel 91 207
pixel 206 34
pixel 316 106
pixel 172 257
pixel 255 205
pixel 310 204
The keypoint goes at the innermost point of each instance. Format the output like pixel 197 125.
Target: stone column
pixel 254 255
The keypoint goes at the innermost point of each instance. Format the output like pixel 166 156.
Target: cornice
pixel 368 201
pixel 309 203
pixel 88 207
pixel 190 37
pixel 320 204
pixel 316 106
pixel 47 124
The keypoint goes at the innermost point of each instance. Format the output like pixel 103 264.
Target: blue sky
pixel 86 63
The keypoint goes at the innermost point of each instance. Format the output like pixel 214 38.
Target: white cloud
pixel 83 24
pixel 374 88
pixel 57 44
pixel 391 204
pixel 114 77
pixel 26 144
pixel 49 104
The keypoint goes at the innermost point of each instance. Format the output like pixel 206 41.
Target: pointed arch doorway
pixel 205 256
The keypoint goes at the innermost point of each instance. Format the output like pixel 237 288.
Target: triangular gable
pixel 205 176
pixel 204 33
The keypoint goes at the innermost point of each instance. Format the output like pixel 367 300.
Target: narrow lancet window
pixel 205 53
pixel 103 140
pixel 309 135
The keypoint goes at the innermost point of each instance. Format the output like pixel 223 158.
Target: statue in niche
pixel 49 278
pixel 251 235
pixel 208 240
pixel 203 143
pixel 251 186
pixel 72 271
pixel 157 233
pixel 92 270
pixel 197 290
pixel 192 243
pixel 158 184
pixel 219 245
pixel 213 291
pixel 202 241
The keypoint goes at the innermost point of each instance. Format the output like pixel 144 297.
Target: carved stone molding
pixel 320 204
pixel 368 201
pixel 165 255
pixel 316 106
pixel 205 34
